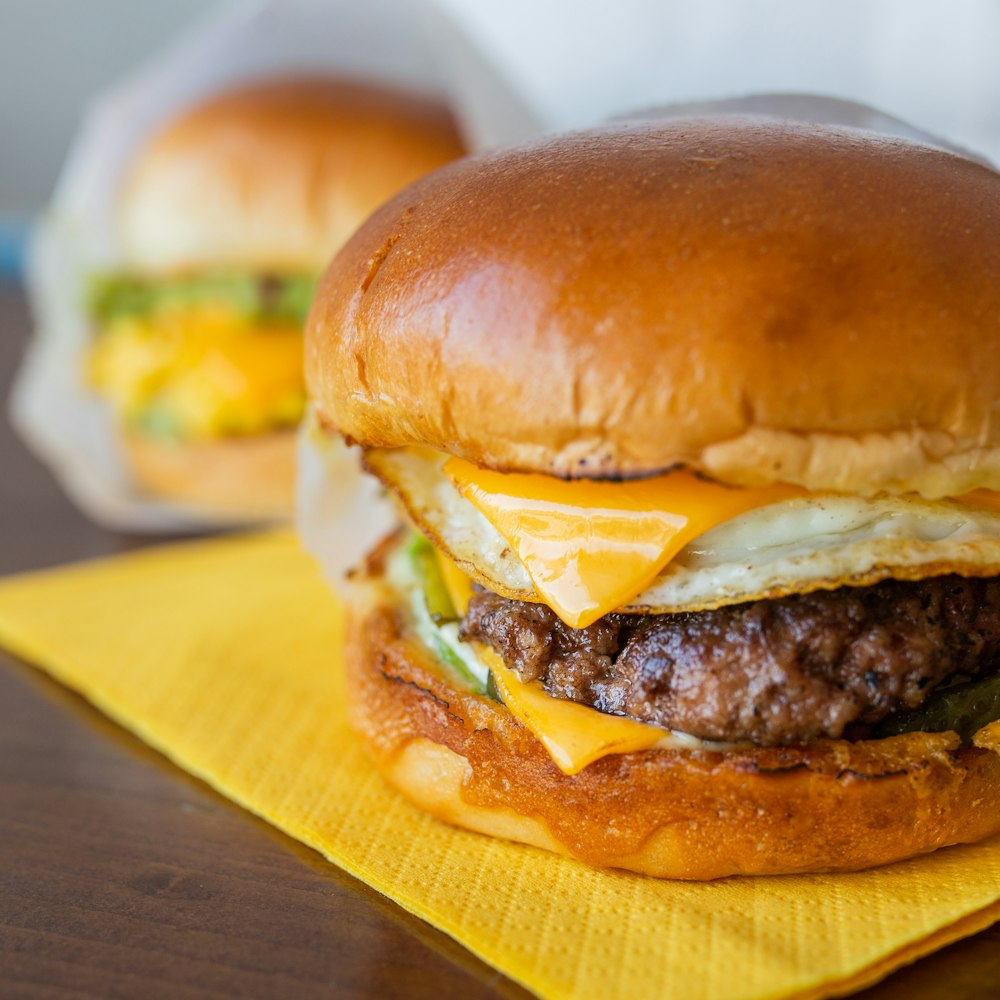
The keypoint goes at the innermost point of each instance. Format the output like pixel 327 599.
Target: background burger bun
pixel 277 174
pixel 247 478
pixel 833 806
pixel 758 299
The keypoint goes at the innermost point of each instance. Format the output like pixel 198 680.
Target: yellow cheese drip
pixel 590 547
pixel 574 735
pixel 458 585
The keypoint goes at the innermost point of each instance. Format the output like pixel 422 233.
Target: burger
pixel 226 219
pixel 696 428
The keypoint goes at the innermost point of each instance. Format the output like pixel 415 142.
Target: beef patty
pixel 772 672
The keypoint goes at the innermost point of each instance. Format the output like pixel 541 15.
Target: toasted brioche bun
pixel 247 478
pixel 277 174
pixel 760 300
pixel 832 806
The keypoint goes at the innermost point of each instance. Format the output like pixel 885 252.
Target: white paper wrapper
pixel 930 63
pixel 342 513
pixel 392 41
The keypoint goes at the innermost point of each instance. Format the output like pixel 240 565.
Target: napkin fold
pixel 225 656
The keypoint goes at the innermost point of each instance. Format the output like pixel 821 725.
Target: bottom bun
pixel 250 478
pixel 831 806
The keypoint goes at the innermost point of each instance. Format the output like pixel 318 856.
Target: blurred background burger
pixel 225 220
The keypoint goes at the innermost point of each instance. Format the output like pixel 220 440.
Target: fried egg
pixel 796 545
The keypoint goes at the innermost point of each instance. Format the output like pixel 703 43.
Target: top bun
pixel 277 174
pixel 757 299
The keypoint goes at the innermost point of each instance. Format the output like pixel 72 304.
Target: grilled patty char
pixel 772 672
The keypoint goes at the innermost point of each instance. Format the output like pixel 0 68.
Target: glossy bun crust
pixel 834 806
pixel 757 299
pixel 277 174
pixel 238 478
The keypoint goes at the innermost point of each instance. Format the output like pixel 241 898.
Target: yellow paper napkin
pixel 225 656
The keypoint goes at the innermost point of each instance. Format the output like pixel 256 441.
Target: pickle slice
pixel 434 615
pixel 963 708
pixel 425 567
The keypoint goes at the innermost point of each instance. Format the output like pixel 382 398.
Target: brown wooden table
pixel 121 876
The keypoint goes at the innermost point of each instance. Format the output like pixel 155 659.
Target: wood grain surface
pixel 121 876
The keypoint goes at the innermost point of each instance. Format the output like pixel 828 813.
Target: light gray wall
pixel 55 55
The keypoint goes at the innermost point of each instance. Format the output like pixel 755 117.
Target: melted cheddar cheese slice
pixel 574 735
pixel 590 547
pixel 458 585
